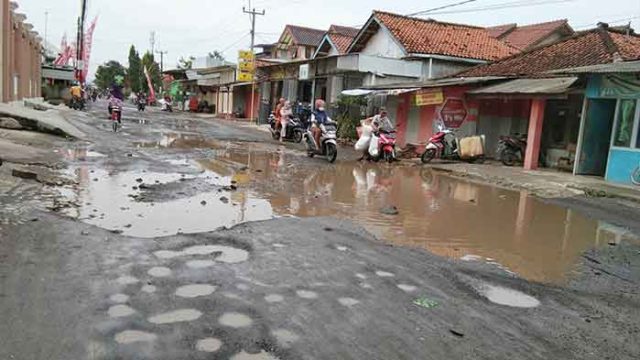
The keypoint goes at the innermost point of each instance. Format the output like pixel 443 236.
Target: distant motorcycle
pixel 445 145
pixel 294 131
pixel 328 144
pixel 77 103
pixel 511 149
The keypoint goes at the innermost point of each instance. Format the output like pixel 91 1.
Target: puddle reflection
pixel 448 217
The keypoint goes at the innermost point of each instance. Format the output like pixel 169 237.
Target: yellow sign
pixel 245 76
pixel 428 97
pixel 245 66
pixel 245 55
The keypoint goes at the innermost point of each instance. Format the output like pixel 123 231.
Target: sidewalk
pixel 544 183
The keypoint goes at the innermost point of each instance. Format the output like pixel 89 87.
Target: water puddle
pixel 119 298
pixel 235 320
pixel 307 294
pixel 448 217
pixel 209 345
pixel 159 272
pixel 181 315
pixel 200 264
pixel 348 302
pixel 118 311
pixel 274 298
pixel 505 296
pixel 133 336
pixel 181 141
pixel 263 355
pixel 195 290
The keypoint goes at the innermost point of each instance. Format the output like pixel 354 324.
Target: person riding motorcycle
pixel 117 96
pixel 76 94
pixel 286 113
pixel 381 122
pixel 319 117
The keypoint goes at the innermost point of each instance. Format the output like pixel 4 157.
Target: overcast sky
pixel 195 27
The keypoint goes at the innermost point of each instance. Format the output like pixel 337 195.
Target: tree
pixel 186 64
pixel 148 62
pixel 217 55
pixel 106 74
pixel 135 74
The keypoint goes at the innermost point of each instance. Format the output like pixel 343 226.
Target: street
pixel 188 237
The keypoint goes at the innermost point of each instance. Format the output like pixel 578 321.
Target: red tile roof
pixel 527 36
pixel 342 37
pixel 305 36
pixel 500 30
pixel 419 36
pixel 593 47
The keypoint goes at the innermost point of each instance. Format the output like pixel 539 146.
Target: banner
pixel 428 97
pixel 152 92
pixel 245 66
pixel 86 55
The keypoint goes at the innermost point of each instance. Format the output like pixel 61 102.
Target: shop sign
pixel 303 74
pixel 428 97
pixel 245 65
pixel 453 113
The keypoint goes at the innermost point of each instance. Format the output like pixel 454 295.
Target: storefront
pixel 610 129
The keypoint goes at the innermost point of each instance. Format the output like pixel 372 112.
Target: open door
pixel 596 138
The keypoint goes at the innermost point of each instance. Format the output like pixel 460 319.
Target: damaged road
pixel 187 237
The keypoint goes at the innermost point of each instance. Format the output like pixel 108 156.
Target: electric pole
pixel 46 27
pixel 80 43
pixel 253 14
pixel 162 54
pixel 152 41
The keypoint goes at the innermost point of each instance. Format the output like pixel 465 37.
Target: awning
pixel 58 74
pixel 388 92
pixel 528 87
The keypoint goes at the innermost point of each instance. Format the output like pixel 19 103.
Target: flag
pixel 152 93
pixel 88 42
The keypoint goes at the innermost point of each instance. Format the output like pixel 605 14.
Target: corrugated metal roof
pixel 618 67
pixel 529 86
pixel 436 83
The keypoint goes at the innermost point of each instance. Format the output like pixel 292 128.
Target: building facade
pixel 21 55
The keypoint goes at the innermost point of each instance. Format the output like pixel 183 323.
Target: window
pixel 625 123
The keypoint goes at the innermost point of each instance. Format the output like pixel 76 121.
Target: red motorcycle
pixel 387 146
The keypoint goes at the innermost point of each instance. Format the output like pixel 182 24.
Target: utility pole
pixel 152 41
pixel 80 43
pixel 46 27
pixel 253 14
pixel 162 54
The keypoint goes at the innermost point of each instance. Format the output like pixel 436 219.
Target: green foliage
pixel 148 62
pixel 349 115
pixel 106 74
pixel 135 75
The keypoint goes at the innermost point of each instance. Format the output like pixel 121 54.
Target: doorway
pixel 596 137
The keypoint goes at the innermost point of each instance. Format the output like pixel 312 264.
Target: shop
pixel 610 129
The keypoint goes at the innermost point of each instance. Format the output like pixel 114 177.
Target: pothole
pixel 235 320
pixel 118 311
pixel 263 355
pixel 505 296
pixel 274 298
pixel 119 298
pixel 159 272
pixel 127 280
pixel 209 345
pixel 285 338
pixel 181 315
pixel 407 288
pixel 200 264
pixel 348 302
pixel 195 290
pixel 133 336
pixel 307 294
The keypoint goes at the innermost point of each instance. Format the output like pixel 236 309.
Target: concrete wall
pixel 501 117
pixel 383 44
pixel 442 68
pixel 624 166
pixel 20 56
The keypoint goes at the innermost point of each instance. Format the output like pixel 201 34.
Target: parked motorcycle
pixel 511 149
pixel 294 129
pixel 445 145
pixel 386 147
pixel 328 144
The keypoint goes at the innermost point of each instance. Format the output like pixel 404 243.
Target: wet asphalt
pixel 80 282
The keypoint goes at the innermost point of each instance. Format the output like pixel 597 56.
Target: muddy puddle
pixel 448 217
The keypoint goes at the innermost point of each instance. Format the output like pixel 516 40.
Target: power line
pixel 585 26
pixel 441 7
pixel 515 4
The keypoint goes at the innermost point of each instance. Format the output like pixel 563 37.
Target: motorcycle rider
pixel 285 114
pixel 319 117
pixel 278 114
pixel 381 122
pixel 117 96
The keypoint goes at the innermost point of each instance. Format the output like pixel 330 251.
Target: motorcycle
pixel 511 149
pixel 166 105
pixel 77 104
pixel 441 146
pixel 294 129
pixel 387 146
pixel 328 144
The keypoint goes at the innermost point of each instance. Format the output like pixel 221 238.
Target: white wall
pixel 383 44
